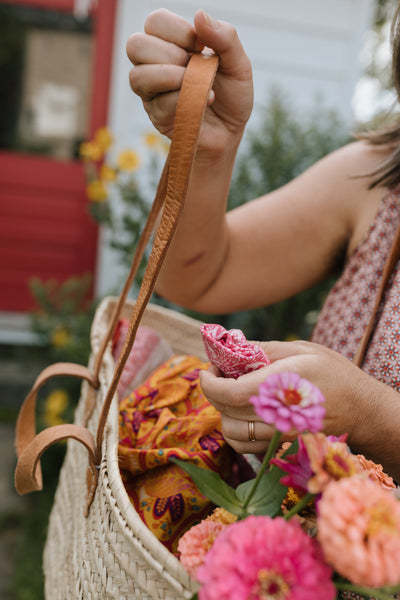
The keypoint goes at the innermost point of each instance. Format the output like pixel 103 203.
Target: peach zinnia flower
pixel 330 459
pixel 359 531
pixel 195 543
pixel 319 460
pixel 264 558
pixel 376 473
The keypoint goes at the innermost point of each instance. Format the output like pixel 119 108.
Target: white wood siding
pixel 309 48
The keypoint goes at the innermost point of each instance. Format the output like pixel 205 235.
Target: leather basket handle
pixel 171 193
pixel 28 477
pixel 192 103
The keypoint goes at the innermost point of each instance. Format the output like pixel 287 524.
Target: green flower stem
pixel 379 594
pixel 299 506
pixel 265 464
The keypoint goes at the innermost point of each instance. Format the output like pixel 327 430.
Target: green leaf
pixel 270 492
pixel 212 486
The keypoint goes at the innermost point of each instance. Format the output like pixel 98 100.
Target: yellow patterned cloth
pixel 169 416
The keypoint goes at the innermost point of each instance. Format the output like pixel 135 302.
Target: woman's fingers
pixel 173 28
pixel 246 436
pixel 143 49
pixel 223 39
pixel 228 394
pixel 249 436
pixel 279 350
pixel 148 81
pixel 242 430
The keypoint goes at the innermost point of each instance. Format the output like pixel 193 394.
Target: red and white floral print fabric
pixel 231 352
pixel 345 313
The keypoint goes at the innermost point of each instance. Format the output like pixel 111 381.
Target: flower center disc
pixel 338 462
pixel 292 397
pixel 270 586
pixel 381 521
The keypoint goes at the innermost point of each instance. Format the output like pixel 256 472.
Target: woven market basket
pixel 111 553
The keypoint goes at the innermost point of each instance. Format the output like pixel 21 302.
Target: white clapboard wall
pixel 309 49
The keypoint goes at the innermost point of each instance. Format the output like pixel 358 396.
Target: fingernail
pixel 209 21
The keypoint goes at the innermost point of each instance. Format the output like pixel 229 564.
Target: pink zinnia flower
pixel 359 531
pixel 264 558
pixel 196 542
pixel 288 401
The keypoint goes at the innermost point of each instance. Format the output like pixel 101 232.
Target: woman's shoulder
pixel 355 165
pixel 356 161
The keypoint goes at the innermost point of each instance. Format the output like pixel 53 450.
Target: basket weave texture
pixel 111 554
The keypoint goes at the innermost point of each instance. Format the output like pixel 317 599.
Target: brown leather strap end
pixel 26 422
pixel 28 476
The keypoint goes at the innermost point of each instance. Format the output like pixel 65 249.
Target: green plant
pixel 62 323
pixel 119 194
pixel 63 317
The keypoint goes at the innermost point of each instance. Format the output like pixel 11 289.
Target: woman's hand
pixel 160 56
pixel 347 391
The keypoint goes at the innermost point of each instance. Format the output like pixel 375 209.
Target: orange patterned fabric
pixel 169 416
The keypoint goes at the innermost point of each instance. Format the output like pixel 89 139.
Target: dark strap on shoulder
pixel 390 264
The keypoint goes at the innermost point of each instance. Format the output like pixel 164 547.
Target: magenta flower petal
pixel 288 401
pixel 297 467
pixel 261 557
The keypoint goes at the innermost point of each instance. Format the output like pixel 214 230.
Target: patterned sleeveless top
pixel 346 311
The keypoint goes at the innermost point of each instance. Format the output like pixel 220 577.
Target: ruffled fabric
pixel 231 352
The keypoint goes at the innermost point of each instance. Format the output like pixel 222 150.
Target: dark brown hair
pixel 388 172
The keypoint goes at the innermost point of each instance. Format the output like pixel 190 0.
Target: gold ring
pixel 252 432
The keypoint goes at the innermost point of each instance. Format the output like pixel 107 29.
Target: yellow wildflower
pixel 90 151
pixel 104 138
pixel 60 337
pixel 107 173
pixel 156 142
pixel 96 191
pixel 128 160
pixel 56 403
pixel 165 144
pixel 152 140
